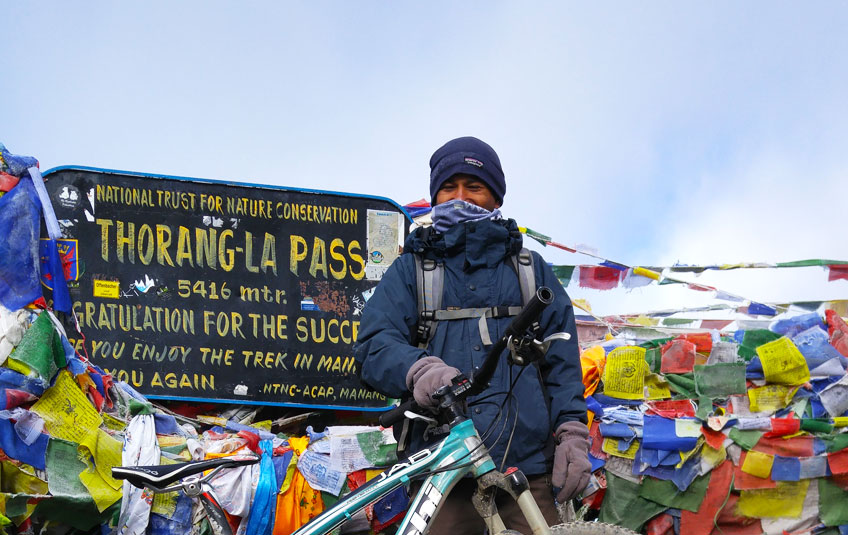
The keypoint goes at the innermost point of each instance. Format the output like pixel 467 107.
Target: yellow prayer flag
pixel 113 423
pixel 66 411
pixel 165 504
pixel 103 494
pixel 770 398
pixel 624 373
pixel 758 464
pixel 100 452
pixel 644 272
pixel 17 481
pixel 644 321
pixel 685 455
pixel 212 420
pixel 582 304
pixel 265 425
pixel 714 457
pixel 785 501
pixel 371 473
pixel 840 421
pixel 840 307
pixel 656 387
pixel 290 471
pixel 783 363
pixel 610 446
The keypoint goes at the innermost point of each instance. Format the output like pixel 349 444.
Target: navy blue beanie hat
pixel 468 156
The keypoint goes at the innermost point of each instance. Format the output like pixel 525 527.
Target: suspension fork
pixel 514 483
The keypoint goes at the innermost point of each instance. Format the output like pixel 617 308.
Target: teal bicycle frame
pixel 463 450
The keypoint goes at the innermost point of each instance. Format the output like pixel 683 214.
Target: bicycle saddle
pixel 160 476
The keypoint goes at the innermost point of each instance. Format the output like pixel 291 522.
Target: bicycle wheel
pixel 589 528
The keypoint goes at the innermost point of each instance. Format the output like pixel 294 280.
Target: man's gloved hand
pixel 426 376
pixel 572 468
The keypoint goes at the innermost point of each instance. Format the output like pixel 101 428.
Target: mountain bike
pixel 438 467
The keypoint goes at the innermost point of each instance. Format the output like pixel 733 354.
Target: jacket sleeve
pixel 561 370
pixel 383 351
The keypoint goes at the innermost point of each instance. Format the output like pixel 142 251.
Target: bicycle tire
pixel 589 528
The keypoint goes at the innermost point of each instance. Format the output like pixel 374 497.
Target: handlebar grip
pixel 393 416
pixel 529 314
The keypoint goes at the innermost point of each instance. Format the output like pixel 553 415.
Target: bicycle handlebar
pixel 395 415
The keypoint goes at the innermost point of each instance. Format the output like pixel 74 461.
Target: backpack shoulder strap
pixel 430 280
pixel 523 265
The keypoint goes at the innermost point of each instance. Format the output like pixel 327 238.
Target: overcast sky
pixel 654 132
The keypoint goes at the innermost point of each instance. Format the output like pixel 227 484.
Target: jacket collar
pixel 479 243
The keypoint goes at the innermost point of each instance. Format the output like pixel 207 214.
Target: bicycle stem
pixel 528 316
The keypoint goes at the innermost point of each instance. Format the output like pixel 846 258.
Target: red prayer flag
pixel 701 523
pixel 662 524
pixel 7 182
pixel 838 331
pixel 786 447
pixel 714 439
pixel 703 341
pixel 678 356
pixel 597 440
pixel 715 324
pixel 599 277
pixel 838 461
pixel 561 246
pixel 783 426
pixel 671 408
pixel 837 271
pixel 700 287
pixel 730 523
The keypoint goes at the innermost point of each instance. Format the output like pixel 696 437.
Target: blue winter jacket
pixel 477 274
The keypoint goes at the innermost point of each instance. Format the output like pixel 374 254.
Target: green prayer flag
pixel 816 425
pixel 376 450
pixel 808 263
pixel 138 407
pixel 747 438
pixel 16 506
pixel 666 492
pixel 832 499
pixel 41 348
pixel 752 340
pixel 705 408
pixel 563 273
pixel 656 342
pixel 70 503
pixel 653 357
pixel 538 236
pixel 834 443
pixel 624 507
pixel 683 384
pixel 720 380
pixel 671 322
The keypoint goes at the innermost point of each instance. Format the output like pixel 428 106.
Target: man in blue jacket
pixel 549 442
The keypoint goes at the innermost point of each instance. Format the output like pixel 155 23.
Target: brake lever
pixel 415 416
pixel 526 349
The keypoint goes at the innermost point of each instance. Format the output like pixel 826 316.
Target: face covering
pixel 451 213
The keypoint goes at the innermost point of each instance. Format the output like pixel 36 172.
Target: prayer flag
pixel 599 277
pixel 837 271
